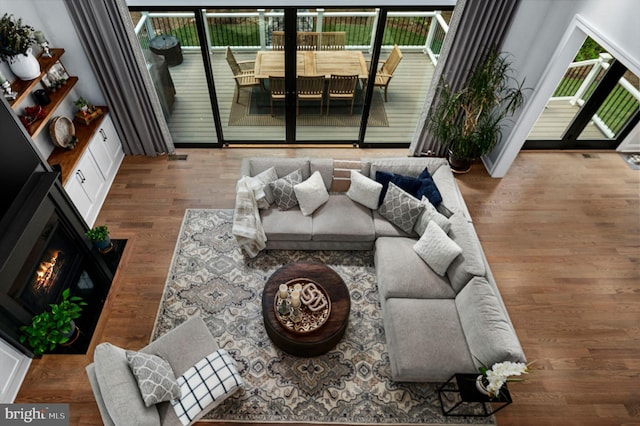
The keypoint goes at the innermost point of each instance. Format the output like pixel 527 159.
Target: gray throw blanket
pixel 247 226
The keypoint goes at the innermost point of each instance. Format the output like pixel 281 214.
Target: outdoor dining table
pixel 312 62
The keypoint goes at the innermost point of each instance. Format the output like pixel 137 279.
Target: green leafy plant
pixel 469 121
pixel 15 37
pixel 52 327
pixel 98 233
pixel 81 102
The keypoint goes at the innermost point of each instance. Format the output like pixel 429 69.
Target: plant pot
pixel 481 385
pixel 103 246
pixel 25 67
pixel 459 165
pixel 72 334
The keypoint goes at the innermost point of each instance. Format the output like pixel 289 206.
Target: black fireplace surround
pixel 43 251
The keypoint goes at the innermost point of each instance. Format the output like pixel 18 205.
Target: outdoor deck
pixel 555 119
pixel 191 120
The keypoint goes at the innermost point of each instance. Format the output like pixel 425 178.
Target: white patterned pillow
pixel 259 184
pixel 436 248
pixel 155 377
pixel 311 193
pixel 282 190
pixel 364 190
pixel 212 379
pixel 401 208
pixel 431 213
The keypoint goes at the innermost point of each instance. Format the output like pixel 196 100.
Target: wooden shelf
pixel 56 98
pixel 68 158
pixel 25 87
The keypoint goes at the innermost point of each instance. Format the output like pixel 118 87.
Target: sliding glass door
pixel 256 76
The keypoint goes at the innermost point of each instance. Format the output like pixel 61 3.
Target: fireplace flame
pixel 46 273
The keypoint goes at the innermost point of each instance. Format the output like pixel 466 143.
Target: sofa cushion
pixel 487 329
pixel 431 213
pixel 209 382
pixel 155 377
pixel 283 166
pixel 325 167
pixel 364 190
pixel 470 262
pixel 401 273
pixel 311 194
pixel 408 166
pixel 342 219
pixel 436 248
pixel 283 192
pixel 425 340
pixel 260 186
pixel 401 208
pixel 286 225
pixel 120 392
pixel 384 228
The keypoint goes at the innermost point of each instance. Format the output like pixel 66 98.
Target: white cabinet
pixel 13 367
pixel 93 175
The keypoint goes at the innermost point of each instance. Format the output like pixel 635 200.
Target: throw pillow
pixel 282 190
pixel 212 379
pixel 259 183
pixel 400 208
pixel 422 185
pixel 364 190
pixel 428 189
pixel 431 213
pixel 311 193
pixel 437 249
pixel 155 377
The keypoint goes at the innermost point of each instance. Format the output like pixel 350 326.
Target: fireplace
pixel 43 252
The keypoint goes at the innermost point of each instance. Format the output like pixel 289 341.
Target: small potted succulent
pixel 16 40
pixel 55 326
pixel 99 236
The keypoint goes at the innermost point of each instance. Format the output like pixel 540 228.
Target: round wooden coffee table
pixel 329 334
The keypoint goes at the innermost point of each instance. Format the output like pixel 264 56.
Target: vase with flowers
pixel 491 380
pixel 16 40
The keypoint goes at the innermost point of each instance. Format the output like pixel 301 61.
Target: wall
pixel 51 17
pixel 544 37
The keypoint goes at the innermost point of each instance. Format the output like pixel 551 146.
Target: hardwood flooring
pixel 561 232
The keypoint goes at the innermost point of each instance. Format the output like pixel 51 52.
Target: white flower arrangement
pixel 501 373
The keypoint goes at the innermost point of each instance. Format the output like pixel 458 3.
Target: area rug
pixel 253 109
pixel 210 277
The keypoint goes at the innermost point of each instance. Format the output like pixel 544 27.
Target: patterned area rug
pixel 253 109
pixel 351 384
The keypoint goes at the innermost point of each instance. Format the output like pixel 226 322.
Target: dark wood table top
pixel 329 334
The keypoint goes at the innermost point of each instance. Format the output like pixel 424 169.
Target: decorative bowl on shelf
pixel 62 132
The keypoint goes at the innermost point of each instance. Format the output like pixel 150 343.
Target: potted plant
pixel 491 380
pixel 83 105
pixel 55 326
pixel 16 39
pixel 469 121
pixel 99 236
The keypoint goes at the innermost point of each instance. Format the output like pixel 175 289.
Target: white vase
pixel 25 67
pixel 480 385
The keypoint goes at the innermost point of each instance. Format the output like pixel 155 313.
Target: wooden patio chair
pixel 333 40
pixel 343 88
pixel 307 40
pixel 387 68
pixel 243 73
pixel 276 91
pixel 310 88
pixel 277 40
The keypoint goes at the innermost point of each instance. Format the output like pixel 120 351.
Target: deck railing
pixel 411 31
pixel 580 80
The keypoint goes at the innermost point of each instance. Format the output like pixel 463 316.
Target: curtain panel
pixel 106 33
pixel 475 26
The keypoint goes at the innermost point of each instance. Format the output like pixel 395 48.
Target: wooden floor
pixel 192 122
pixel 561 232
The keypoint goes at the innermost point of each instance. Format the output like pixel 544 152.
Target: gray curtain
pixel 475 25
pixel 106 33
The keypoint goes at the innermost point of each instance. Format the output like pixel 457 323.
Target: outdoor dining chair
pixel 310 88
pixel 343 88
pixel 276 91
pixel 242 73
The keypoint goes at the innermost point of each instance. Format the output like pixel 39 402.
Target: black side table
pixel 167 46
pixel 462 396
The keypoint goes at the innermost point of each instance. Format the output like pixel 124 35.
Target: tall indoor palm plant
pixel 469 121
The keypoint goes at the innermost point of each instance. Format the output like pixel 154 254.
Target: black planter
pixel 459 165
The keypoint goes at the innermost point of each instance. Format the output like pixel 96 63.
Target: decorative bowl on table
pixel 315 307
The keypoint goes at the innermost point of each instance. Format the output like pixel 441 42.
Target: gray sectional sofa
pixel 435 325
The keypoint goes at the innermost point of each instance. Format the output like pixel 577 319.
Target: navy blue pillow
pixel 422 185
